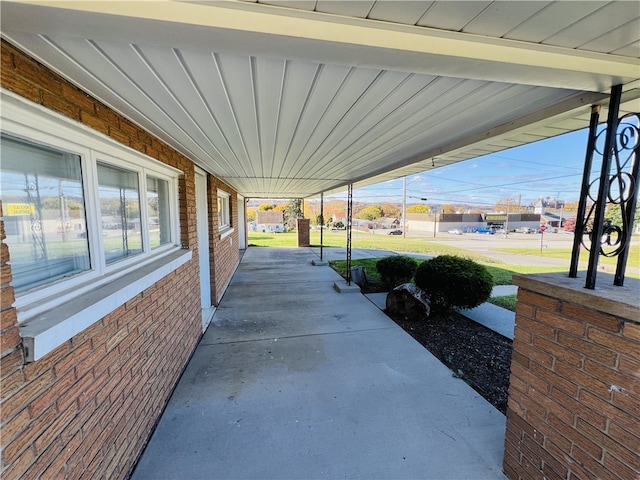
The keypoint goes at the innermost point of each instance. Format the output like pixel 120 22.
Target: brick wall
pixel 224 252
pixel 87 408
pixel 574 396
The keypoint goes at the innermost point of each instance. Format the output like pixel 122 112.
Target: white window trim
pixel 53 314
pixel 227 229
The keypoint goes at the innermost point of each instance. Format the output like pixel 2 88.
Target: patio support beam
pixel 603 189
pixel 584 191
pixel 321 225
pixel 349 223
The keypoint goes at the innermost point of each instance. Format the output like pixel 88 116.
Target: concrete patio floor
pixel 293 380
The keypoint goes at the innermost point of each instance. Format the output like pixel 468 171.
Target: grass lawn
pixel 500 272
pixel 501 275
pixel 565 254
pixel 368 241
pixel 505 301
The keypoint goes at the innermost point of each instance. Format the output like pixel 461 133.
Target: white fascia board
pixel 256 29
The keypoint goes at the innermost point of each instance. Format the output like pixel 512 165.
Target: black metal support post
pixel 628 189
pixel 348 220
pixel 603 189
pixel 584 191
pixel 321 224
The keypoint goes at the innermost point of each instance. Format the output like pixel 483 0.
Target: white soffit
pixel 290 102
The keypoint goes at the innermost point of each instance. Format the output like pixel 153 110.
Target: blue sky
pixel 548 168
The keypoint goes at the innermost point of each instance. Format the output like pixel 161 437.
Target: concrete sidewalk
pixel 293 380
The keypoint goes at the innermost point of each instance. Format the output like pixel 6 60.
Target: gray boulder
pixel 408 301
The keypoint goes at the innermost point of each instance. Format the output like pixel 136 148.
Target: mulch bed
pixel 474 353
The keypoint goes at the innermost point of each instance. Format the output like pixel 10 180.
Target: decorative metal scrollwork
pixel 621 193
pixel 607 203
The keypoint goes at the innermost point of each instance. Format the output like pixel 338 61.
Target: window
pixel 119 212
pixel 89 222
pixel 224 211
pixel 158 208
pixel 44 213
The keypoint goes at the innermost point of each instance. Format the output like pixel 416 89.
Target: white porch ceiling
pixel 293 98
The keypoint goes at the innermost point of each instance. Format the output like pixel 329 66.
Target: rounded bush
pixel 396 269
pixel 452 281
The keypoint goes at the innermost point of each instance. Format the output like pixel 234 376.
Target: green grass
pixel 368 241
pixel 505 301
pixel 565 254
pixel 369 264
pixel 501 275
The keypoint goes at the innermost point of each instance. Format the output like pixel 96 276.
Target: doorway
pixel 202 213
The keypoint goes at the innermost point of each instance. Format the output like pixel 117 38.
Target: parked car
pixel 455 231
pixel 395 232
pixel 485 230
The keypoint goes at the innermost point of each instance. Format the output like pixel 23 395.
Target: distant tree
pixel 264 207
pixel 448 208
pixel 371 212
pixel 280 208
pixel 311 210
pixel 292 212
pixel 390 210
pixel 337 208
pixel 570 224
pixel 251 214
pixel 419 209
pixel 614 215
pixel 508 205
pixel 570 207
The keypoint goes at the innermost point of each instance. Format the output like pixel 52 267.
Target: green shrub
pixel 452 281
pixel 396 269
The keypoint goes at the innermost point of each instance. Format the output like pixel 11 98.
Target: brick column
pixel 304 239
pixel 574 395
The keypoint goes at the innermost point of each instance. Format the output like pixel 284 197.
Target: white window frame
pixel 224 212
pixel 52 314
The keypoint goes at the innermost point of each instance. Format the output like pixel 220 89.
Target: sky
pixel 548 168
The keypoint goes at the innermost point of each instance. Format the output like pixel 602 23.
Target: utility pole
pixel 404 207
pixel 506 222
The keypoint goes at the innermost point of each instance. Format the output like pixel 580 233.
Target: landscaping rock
pixel 408 301
pixel 359 275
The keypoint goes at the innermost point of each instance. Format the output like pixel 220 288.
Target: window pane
pixel 120 212
pixel 224 208
pixel 158 211
pixel 44 213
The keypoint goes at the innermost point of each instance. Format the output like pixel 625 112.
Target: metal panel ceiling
pixel 294 98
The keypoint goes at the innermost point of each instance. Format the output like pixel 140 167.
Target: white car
pixel 455 231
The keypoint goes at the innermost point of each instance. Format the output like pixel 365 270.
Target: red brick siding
pixel 87 407
pixel 574 397
pixel 224 253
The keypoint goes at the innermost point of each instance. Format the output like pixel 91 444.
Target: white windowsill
pixel 46 331
pixel 226 232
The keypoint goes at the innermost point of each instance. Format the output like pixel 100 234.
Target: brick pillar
pixel 304 239
pixel 574 395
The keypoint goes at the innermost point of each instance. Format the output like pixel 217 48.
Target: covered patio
pixel 294 380
pixel 292 99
